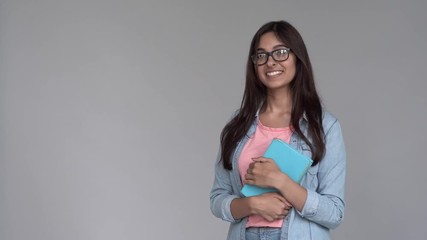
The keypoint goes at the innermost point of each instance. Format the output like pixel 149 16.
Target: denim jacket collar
pixel 304 116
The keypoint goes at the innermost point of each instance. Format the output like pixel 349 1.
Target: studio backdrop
pixel 111 111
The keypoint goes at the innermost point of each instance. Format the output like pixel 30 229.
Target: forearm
pixel 292 191
pixel 326 210
pixel 241 207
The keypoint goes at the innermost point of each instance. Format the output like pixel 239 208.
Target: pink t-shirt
pixel 255 147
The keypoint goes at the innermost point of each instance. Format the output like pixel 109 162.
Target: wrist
pixel 252 204
pixel 282 181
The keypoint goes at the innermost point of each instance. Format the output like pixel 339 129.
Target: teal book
pixel 290 161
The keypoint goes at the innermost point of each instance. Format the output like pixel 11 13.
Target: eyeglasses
pixel 279 55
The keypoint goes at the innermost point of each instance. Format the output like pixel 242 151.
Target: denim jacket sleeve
pixel 221 193
pixel 325 205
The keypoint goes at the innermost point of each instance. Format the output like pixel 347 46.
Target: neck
pixel 278 101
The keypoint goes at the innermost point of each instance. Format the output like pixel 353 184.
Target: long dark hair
pixel 305 100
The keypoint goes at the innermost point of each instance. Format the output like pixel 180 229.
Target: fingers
pixel 286 205
pixel 281 198
pixel 282 215
pixel 249 178
pixel 250 169
pixel 255 162
pixel 285 213
pixel 261 159
pixel 274 208
pixel 275 217
pixel 250 172
pixel 260 172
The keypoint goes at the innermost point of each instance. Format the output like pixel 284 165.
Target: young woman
pixel 280 101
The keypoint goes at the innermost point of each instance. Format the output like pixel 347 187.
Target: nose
pixel 271 61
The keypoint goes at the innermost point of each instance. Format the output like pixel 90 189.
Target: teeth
pixel 274 73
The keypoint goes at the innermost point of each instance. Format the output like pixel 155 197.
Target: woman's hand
pixel 271 206
pixel 263 172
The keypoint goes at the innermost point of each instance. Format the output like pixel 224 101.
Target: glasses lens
pixel 280 54
pixel 259 58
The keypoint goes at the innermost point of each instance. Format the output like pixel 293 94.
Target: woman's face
pixel 275 74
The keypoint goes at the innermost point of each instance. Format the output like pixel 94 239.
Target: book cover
pixel 290 161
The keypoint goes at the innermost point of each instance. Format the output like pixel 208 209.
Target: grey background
pixel 110 112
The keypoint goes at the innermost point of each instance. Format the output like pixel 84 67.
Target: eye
pixel 261 55
pixel 281 52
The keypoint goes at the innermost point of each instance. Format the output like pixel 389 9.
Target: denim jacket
pixel 324 207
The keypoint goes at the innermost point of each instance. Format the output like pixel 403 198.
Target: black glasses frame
pixel 270 54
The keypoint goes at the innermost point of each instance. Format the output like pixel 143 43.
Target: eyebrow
pixel 275 47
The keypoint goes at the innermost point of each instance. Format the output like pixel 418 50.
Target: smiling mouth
pixel 274 73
